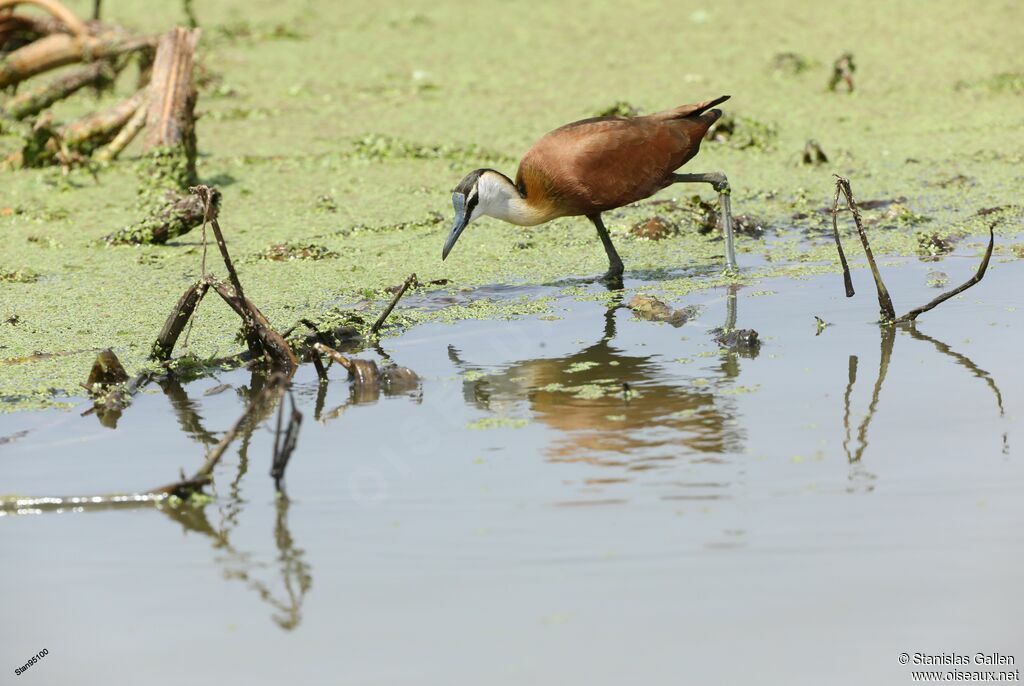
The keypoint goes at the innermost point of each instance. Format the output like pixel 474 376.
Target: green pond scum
pixel 337 137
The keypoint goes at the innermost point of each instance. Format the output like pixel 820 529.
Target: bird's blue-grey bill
pixel 461 220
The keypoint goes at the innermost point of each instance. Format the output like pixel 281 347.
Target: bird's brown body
pixel 595 165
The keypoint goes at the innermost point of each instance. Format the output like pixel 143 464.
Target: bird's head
pixel 482 191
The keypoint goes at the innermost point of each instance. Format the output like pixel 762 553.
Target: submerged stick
pixel 978 276
pixel 394 301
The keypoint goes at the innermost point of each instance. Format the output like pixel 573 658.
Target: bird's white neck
pixel 500 199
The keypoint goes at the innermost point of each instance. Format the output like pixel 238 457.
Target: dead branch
pixel 94 129
pixel 884 301
pixel 258 327
pixel 978 276
pixel 179 215
pixel 38 99
pixel 847 279
pixel 169 147
pixel 210 214
pixel 60 49
pixel 59 11
pixel 387 310
pixel 170 121
pixel 124 137
pixel 177 320
pixel 888 312
pixel 260 335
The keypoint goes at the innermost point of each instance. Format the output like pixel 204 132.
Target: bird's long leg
pixel 721 185
pixel 615 267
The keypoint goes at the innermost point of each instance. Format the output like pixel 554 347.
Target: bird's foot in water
pixel 613 277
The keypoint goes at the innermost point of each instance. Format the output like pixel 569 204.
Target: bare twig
pixel 978 276
pixel 394 301
pixel 887 311
pixel 847 279
pixel 258 328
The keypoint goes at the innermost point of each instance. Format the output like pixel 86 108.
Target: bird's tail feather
pixel 693 111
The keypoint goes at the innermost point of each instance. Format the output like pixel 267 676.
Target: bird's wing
pixel 598 164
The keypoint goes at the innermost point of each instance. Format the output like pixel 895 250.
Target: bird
pixel 592 166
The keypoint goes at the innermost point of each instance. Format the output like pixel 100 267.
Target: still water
pixel 799 513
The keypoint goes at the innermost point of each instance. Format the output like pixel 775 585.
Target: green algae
pixel 294 250
pixel 18 276
pixel 404 112
pixel 744 133
pixel 1005 82
pixel 498 423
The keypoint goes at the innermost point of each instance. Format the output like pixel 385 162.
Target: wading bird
pixel 592 166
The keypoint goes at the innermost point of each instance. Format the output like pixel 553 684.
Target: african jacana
pixel 592 166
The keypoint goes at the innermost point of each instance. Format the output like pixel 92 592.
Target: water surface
pixel 801 513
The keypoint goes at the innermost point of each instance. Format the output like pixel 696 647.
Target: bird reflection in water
pixel 615 408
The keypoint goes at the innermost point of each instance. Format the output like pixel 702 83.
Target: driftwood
pixel 58 41
pixel 30 46
pixel 60 49
pixel 169 146
pixel 125 136
pixel 887 311
pixel 37 99
pixel 177 320
pixel 368 380
pixel 94 129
